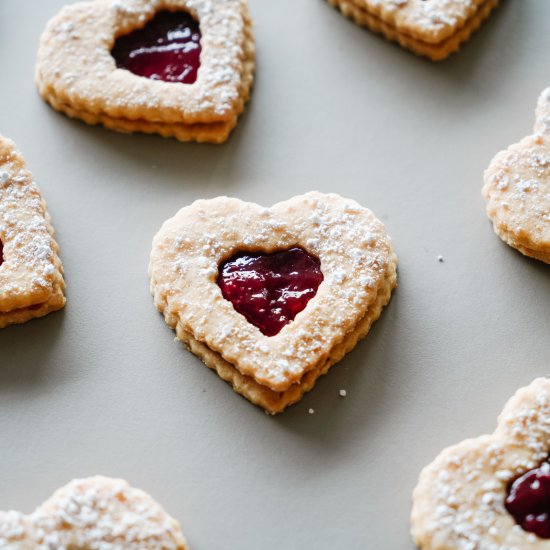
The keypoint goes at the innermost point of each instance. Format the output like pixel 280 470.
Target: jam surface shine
pixel 168 48
pixel 270 289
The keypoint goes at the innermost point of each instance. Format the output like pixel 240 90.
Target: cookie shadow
pixel 497 38
pixel 492 47
pixel 28 350
pixel 152 159
pixel 532 269
pixel 365 374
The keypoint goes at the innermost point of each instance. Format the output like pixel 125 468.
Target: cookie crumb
pixel 440 258
pixel 311 411
pixel 343 393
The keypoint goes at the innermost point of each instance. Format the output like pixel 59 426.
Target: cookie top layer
pixel 431 21
pixel 76 67
pixel 459 502
pixel 92 513
pixel 517 188
pixel 31 270
pixel 352 245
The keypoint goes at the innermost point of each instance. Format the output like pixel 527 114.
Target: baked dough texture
pixel 96 513
pixel 31 280
pixel 76 74
pixel 430 28
pixel 517 189
pixel 358 265
pixel 458 503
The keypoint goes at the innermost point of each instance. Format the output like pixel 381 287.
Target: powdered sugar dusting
pixel 30 260
pixel 95 513
pixel 517 189
pixel 75 65
pixel 430 16
pixel 440 13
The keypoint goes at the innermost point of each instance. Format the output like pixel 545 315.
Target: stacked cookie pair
pixel 116 63
pixel 271 298
pixel 517 189
pixel 31 274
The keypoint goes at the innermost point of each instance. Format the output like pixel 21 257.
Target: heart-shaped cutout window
pixel 528 501
pixel 270 289
pixel 168 48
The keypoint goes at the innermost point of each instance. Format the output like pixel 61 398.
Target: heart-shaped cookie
pixel 357 268
pixel 31 280
pixel 431 28
pixel 93 513
pixel 179 68
pixel 493 492
pixel 517 189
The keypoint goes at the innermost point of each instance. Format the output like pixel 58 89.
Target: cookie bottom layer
pixel 275 402
pixel 436 52
pixel 525 248
pixel 216 132
pixel 518 216
pixel 24 314
pixel 56 299
pixel 207 132
pixel 37 303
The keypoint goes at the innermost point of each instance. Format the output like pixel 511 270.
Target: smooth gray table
pixel 103 388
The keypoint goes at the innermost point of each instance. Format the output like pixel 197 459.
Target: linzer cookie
pixel 431 28
pixel 492 492
pixel 517 189
pixel 93 513
pixel 271 298
pixel 178 68
pixel 31 280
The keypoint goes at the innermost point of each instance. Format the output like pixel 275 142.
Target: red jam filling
pixel 1 253
pixel 528 501
pixel 168 48
pixel 270 289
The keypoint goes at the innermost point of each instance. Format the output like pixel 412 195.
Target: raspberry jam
pixel 270 289
pixel 1 253
pixel 528 501
pixel 168 48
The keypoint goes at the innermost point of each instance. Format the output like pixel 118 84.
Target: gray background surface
pixel 102 388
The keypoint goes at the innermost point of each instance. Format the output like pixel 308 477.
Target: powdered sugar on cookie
pixel 357 262
pixel 76 72
pixel 93 513
pixel 30 274
pixel 517 189
pixel 432 28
